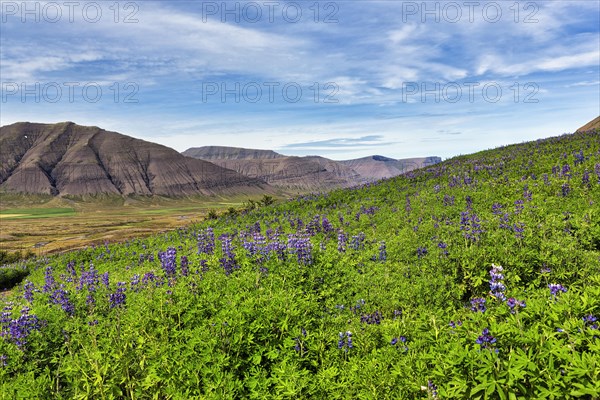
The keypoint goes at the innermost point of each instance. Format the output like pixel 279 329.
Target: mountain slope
pixel 68 159
pixel 593 124
pixel 309 173
pixel 379 167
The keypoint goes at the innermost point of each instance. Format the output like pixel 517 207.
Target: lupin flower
pixel 206 241
pixel 591 321
pixel 28 290
pixel 486 340
pixel 453 324
pixel 382 252
pixel 342 241
pixel 345 340
pixel 514 304
pixel 117 299
pixel 371 319
pixel 555 288
pixel 478 304
pixel 497 288
pixel 432 389
pixel 168 261
pixel 421 252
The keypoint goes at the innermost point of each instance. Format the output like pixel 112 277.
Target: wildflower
pixel 206 241
pixel 496 286
pixel 168 261
pixel 514 304
pixel 453 324
pixel 28 289
pixel 117 299
pixel 432 389
pixel 555 288
pixel 61 297
pixel 421 252
pixel 485 340
pixel 345 340
pixel 382 252
pixel 591 321
pixel 357 241
pixel 565 189
pixel 342 241
pixel 371 319
pixel 105 279
pixel 478 304
pixel 49 283
pixel 443 246
pixel 3 362
pixel 302 247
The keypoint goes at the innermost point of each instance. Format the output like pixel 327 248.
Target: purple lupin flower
pixel 28 290
pixel 591 322
pixel 342 241
pixel 486 340
pixel 168 261
pixel 478 304
pixel 421 252
pixel 206 241
pixel 184 266
pixel 556 288
pixel 345 340
pixel 105 279
pixel 382 252
pixel 514 304
pixel 117 299
pixel 61 297
pixel 49 282
pixel 443 246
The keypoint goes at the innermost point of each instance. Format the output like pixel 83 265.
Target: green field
pixel 26 213
pixel 476 278
pixel 47 225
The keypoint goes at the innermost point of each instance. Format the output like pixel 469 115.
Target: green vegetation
pixel 475 278
pixel 20 213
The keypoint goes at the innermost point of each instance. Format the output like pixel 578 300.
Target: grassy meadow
pixel 476 278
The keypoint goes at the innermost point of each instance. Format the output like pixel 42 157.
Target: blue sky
pixel 341 79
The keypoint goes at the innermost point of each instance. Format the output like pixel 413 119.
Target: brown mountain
pixel 69 159
pixel 379 167
pixel 593 124
pixel 310 173
pixel 230 153
pixel 286 172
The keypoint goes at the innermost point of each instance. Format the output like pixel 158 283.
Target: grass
pixel 49 225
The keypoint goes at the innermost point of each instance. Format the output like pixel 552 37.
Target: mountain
pixel 230 153
pixel 309 173
pixel 69 159
pixel 593 124
pixel 302 174
pixel 379 167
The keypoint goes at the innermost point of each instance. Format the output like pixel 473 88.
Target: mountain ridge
pixel 69 159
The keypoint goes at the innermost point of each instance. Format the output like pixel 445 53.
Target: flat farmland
pixel 50 227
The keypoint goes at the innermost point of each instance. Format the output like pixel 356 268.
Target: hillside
pixel 68 159
pixel 478 277
pixel 593 124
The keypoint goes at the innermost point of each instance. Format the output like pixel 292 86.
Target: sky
pixel 341 79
